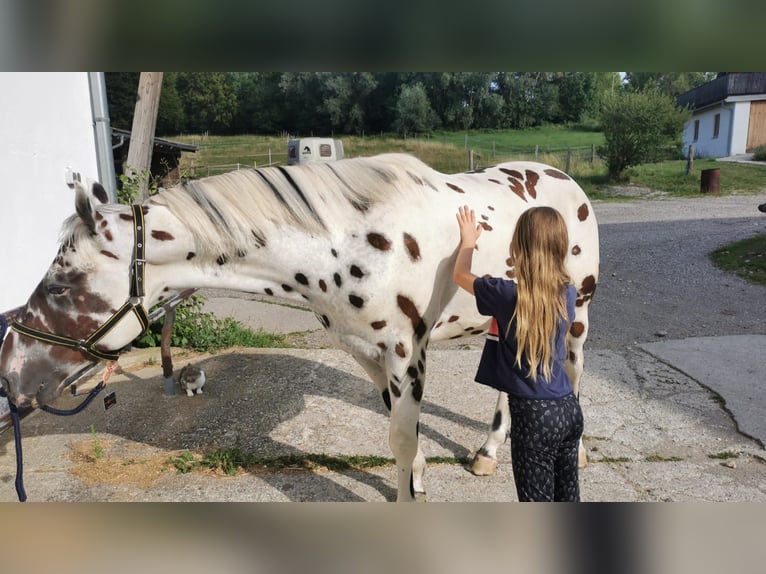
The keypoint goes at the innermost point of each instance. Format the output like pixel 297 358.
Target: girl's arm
pixel 469 234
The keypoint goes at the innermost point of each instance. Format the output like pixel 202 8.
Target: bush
pixel 760 153
pixel 639 128
pixel 195 329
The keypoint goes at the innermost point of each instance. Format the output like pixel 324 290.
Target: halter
pixel 134 304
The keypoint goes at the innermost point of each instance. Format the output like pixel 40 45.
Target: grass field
pixel 449 153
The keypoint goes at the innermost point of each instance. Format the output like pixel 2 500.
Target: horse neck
pixel 267 266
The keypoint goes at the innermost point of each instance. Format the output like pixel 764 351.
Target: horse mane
pixel 227 213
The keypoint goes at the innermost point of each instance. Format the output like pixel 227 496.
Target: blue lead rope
pixel 17 420
pixel 16 427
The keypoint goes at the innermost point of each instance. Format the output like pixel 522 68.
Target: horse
pixel 368 244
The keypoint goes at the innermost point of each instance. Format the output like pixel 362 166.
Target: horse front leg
pixel 406 394
pixel 400 435
pixel 484 462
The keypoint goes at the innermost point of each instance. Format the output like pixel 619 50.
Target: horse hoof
pixel 582 458
pixel 421 497
pixel 483 465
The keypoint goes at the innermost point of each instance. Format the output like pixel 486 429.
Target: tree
pixel 170 118
pixel 413 111
pixel 260 102
pixel 668 83
pixel 343 99
pixel 577 96
pixel 210 102
pixel 121 92
pixel 638 127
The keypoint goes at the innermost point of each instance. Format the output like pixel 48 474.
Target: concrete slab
pixel 732 366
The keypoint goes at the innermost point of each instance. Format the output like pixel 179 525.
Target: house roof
pixel 159 143
pixel 724 86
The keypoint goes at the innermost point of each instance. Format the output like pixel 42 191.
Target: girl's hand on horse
pixel 469 230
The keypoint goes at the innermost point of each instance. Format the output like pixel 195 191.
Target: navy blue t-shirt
pixel 497 297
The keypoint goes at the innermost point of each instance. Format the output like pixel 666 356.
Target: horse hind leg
pixel 575 366
pixel 484 462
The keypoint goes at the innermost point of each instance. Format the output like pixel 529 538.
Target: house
pixel 55 130
pixel 166 157
pixel 729 115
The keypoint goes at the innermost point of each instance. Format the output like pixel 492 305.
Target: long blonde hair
pixel 539 249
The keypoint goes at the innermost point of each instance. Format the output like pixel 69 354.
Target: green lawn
pixel 447 152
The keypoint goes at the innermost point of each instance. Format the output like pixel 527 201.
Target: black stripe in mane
pixel 299 191
pixel 276 192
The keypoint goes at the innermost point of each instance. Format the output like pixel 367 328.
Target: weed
pixel 613 459
pixel 201 331
pixel 725 455
pixel 98 449
pixel 230 460
pixel 746 258
pixel 184 462
pixel 660 458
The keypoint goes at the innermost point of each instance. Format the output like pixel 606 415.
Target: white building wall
pixel 732 136
pixel 707 145
pixel 47 126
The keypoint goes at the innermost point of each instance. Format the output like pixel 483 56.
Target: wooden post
pixel 142 133
pixel 592 153
pixel 167 359
pixel 470 160
pixel 569 160
pixel 537 148
pixel 690 159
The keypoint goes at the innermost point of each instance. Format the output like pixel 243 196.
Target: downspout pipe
pixel 103 133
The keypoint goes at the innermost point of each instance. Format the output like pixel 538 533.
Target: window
pixel 716 125
pixel 325 150
pixel 696 130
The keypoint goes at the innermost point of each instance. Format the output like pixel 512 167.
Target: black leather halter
pixel 134 304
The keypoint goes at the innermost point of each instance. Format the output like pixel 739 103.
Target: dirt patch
pixel 632 191
pixel 99 461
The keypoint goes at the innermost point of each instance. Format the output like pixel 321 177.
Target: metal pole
pixel 103 132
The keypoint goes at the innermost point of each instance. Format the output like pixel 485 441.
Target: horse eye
pixel 57 289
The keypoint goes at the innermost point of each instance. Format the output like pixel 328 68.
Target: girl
pixel 533 312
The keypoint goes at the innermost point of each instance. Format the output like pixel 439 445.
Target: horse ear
pixel 99 192
pixel 83 206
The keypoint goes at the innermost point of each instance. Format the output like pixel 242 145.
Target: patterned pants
pixel 544 439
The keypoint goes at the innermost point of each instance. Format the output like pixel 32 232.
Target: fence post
pixel 470 160
pixel 493 150
pixel 569 159
pixel 690 159
pixel 269 156
pixel 592 153
pixel 537 148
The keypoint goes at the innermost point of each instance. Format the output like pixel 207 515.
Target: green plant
pixel 746 258
pixel 759 154
pixel 128 190
pixel 201 331
pixel 725 455
pixel 98 449
pixel 639 128
pixel 660 458
pixel 184 462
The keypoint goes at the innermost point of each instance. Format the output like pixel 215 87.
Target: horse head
pixel 52 336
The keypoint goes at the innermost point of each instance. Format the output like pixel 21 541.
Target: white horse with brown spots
pixel 368 244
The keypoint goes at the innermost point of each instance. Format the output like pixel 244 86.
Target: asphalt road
pixel 657 280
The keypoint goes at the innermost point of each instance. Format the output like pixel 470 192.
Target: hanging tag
pixel 110 400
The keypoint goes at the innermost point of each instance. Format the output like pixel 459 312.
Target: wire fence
pixel 258 160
